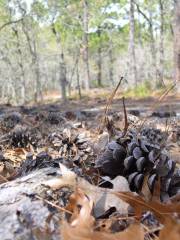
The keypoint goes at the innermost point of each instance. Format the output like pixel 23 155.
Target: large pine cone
pixel 135 157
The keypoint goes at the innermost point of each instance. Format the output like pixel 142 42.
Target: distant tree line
pixel 67 45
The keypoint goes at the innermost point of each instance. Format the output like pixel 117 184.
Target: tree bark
pixel 111 63
pixel 132 44
pixel 99 77
pixel 62 65
pixel 86 81
pixel 161 62
pixel 177 43
pixel 35 62
pixel 153 48
pixel 78 81
pixel 152 40
pixel 21 66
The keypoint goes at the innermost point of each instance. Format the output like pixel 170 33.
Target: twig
pixel 9 23
pixel 109 102
pixel 126 124
pixel 53 204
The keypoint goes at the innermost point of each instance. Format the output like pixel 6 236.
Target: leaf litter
pixel 123 181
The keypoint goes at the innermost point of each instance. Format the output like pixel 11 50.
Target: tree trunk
pixel 177 44
pixel 153 48
pixel 86 81
pixel 78 82
pixel 111 63
pixel 132 44
pixel 35 62
pixel 38 90
pixel 99 77
pixel 161 62
pixel 21 66
pixel 62 65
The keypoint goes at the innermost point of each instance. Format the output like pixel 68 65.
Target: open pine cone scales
pixel 135 157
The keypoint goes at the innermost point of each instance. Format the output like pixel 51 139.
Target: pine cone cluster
pixel 74 146
pixel 20 137
pixel 135 157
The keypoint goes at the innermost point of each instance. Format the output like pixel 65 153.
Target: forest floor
pixel 99 154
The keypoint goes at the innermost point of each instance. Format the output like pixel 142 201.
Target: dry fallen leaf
pixel 162 211
pixel 171 231
pixel 82 225
pixel 103 198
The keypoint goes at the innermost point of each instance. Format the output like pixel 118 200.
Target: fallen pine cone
pixel 135 157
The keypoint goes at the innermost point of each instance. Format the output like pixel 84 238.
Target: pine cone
pixel 10 120
pixel 155 136
pixel 20 137
pixel 55 118
pixel 74 146
pixel 136 157
pixel 42 160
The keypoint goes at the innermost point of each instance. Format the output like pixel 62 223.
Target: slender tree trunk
pixel 99 77
pixel 161 62
pixel 35 62
pixel 140 31
pixel 86 81
pixel 177 43
pixel 62 65
pixel 38 91
pixel 78 82
pixel 21 66
pixel 153 48
pixel 132 44
pixel 111 63
pixel 73 71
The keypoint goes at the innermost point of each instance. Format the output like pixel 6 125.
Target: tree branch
pixel 142 13
pixel 10 22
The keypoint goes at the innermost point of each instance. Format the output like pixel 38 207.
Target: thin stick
pixel 54 205
pixel 109 102
pixel 126 124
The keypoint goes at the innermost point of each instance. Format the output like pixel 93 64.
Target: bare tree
pixel 111 62
pixel 62 65
pixel 177 42
pixel 32 45
pixel 86 81
pixel 99 62
pixel 78 82
pixel 161 65
pixel 132 43
pixel 21 64
pixel 151 36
